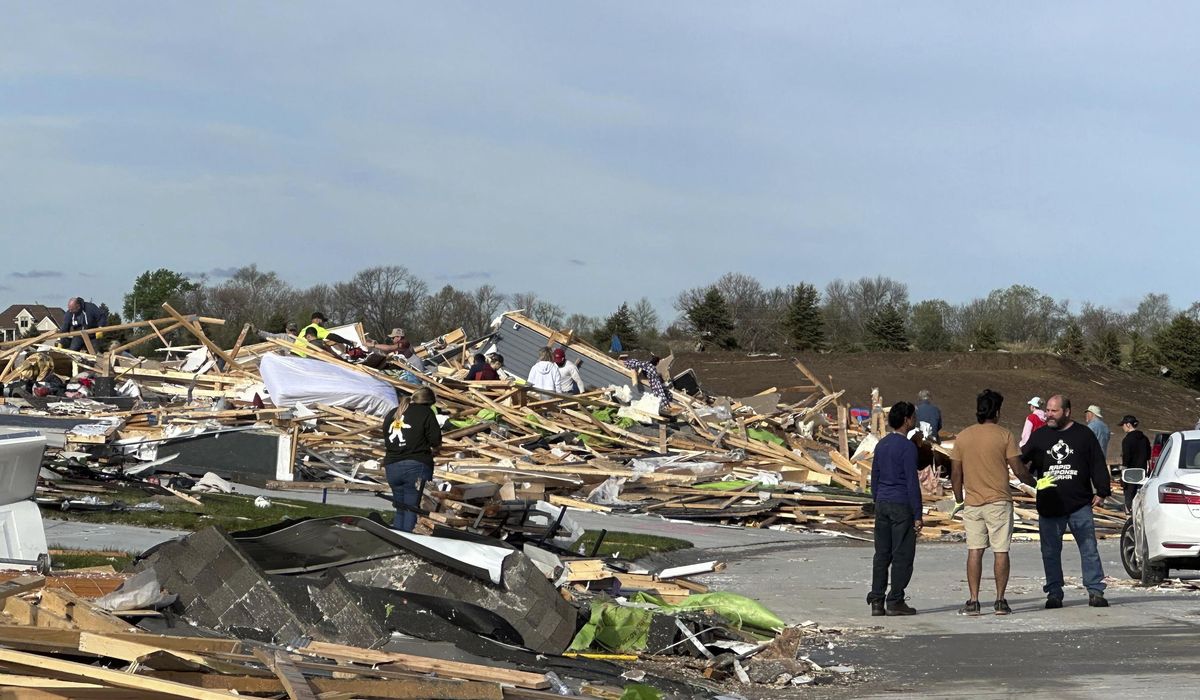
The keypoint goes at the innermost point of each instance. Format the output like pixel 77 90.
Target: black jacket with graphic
pixel 1074 458
pixel 415 435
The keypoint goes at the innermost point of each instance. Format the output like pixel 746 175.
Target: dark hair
pixel 318 314
pixel 987 405
pixel 900 413
pixel 311 331
pixel 478 357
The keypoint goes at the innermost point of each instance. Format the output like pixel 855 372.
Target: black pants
pixel 895 548
pixel 1130 491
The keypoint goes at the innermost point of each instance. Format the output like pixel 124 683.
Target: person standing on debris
pixel 496 362
pixel 81 316
pixel 317 326
pixel 1072 479
pixel 983 454
pixel 1135 454
pixel 569 381
pixel 478 362
pixel 898 514
pixel 1099 427
pixel 411 436
pixel 544 375
pixel 929 416
pixel 1035 420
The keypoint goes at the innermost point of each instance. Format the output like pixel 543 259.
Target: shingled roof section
pixel 8 319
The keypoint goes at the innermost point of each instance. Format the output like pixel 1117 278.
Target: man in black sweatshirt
pixel 1135 452
pixel 1072 478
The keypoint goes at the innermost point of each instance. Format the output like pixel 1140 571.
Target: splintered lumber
pixel 424 664
pixel 289 676
pixel 108 677
pixel 398 688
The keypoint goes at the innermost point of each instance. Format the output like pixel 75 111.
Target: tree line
pixel 734 312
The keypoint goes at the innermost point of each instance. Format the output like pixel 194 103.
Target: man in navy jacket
pixel 81 315
pixel 898 515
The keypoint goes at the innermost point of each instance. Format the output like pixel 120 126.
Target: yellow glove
pixel 957 508
pixel 1046 482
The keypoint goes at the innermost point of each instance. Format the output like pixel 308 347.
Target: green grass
pixel 82 559
pixel 628 545
pixel 232 512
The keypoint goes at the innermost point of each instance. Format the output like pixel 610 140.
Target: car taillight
pixel 1178 493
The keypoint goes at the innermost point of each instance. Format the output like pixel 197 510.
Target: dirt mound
pixel 955 379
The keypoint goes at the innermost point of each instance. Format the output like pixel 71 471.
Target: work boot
pixel 1001 607
pixel 899 608
pixel 1053 602
pixel 1097 600
pixel 971 607
pixel 877 608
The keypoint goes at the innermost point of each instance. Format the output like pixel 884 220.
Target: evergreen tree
pixel 984 337
pixel 885 330
pixel 1141 355
pixel 712 321
pixel 1071 342
pixel 1178 349
pixel 151 289
pixel 1107 349
pixel 804 321
pixel 619 324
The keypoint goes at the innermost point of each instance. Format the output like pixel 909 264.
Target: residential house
pixel 32 319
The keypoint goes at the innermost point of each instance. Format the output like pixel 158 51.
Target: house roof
pixel 8 319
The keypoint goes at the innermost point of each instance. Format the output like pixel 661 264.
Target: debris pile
pixel 636 439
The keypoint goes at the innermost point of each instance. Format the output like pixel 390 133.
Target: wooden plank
pixel 108 676
pixel 398 688
pixel 80 612
pixel 423 664
pixel 294 684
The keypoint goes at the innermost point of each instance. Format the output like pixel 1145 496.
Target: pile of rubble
pixel 263 413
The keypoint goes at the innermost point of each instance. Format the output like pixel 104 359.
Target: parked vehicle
pixel 1163 529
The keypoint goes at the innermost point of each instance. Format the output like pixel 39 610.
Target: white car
pixel 1163 529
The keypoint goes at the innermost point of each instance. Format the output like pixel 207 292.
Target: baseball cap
pixel 1095 410
pixel 1036 402
pixel 396 333
pixel 559 355
pixel 1131 420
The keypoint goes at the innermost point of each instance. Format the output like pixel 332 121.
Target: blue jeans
pixel 1083 527
pixel 403 477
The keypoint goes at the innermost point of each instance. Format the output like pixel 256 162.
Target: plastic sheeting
pixel 292 380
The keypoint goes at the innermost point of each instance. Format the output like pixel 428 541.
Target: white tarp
pixel 292 380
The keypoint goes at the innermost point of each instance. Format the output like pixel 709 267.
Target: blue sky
pixel 600 152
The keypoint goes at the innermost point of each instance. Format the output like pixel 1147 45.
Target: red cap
pixel 559 355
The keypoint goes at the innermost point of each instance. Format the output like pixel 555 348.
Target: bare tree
pixel 485 304
pixel 645 319
pixel 541 311
pixel 1153 314
pixel 381 297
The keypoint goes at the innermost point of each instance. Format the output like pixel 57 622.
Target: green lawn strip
pixel 83 559
pixel 628 545
pixel 230 511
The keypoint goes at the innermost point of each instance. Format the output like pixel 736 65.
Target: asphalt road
pixel 1145 643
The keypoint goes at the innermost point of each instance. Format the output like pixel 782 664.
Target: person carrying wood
pixel 411 435
pixel 898 514
pixel 983 454
pixel 80 316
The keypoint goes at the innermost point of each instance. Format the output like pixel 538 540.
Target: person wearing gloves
pixel 1072 479
pixel 983 454
pixel 544 374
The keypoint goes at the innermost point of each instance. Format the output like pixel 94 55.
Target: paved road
pixel 1146 643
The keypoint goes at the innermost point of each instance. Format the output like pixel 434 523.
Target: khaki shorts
pixel 989 525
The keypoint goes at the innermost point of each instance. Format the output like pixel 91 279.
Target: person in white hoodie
pixel 544 373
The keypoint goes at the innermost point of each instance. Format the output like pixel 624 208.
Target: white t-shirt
pixel 569 379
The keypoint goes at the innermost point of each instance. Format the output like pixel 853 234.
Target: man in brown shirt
pixel 982 456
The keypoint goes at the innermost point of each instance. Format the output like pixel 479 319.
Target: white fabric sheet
pixel 292 380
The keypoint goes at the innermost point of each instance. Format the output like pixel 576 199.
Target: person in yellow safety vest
pixel 318 331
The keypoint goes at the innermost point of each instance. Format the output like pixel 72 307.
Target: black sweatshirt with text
pixel 1073 457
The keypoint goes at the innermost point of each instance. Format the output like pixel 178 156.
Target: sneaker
pixel 899 608
pixel 1053 602
pixel 1097 600
pixel 971 607
pixel 1001 607
pixel 877 608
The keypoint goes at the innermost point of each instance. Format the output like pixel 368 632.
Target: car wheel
pixel 1129 554
pixel 1153 573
